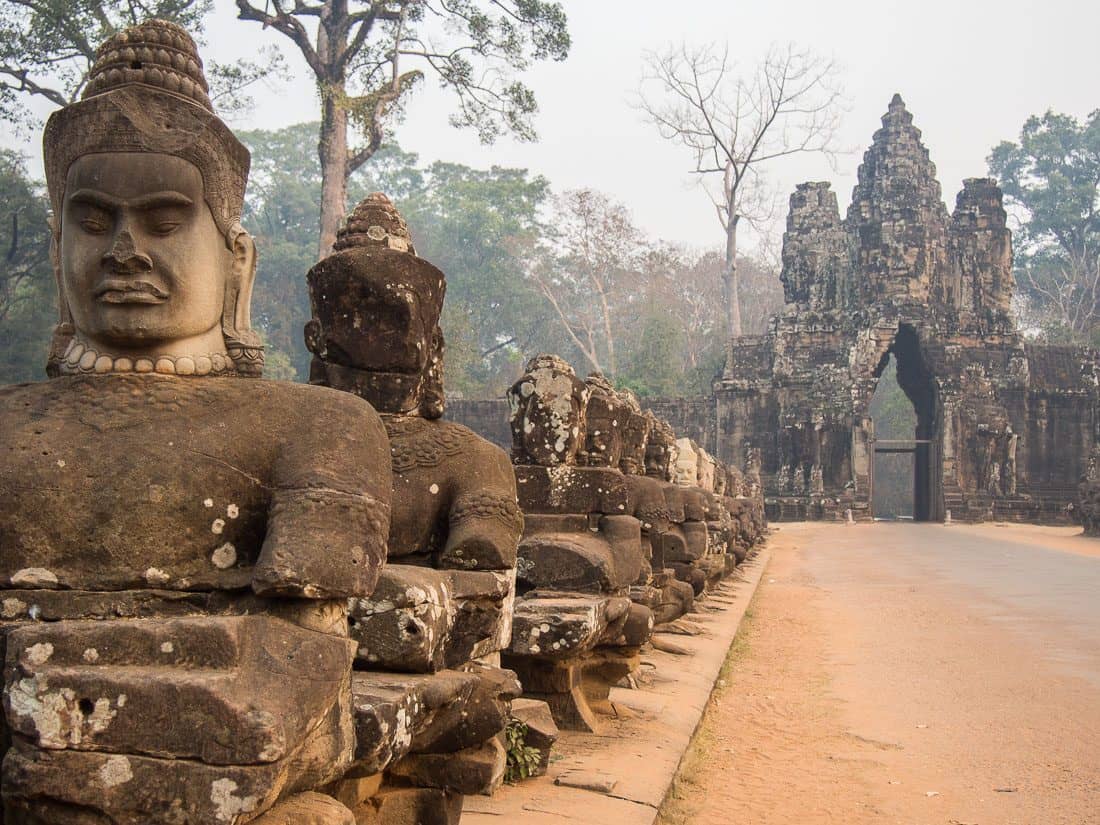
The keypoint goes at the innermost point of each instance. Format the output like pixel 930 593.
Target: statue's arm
pixel 485 522
pixel 329 516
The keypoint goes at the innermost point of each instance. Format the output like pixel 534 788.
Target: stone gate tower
pixel 1005 427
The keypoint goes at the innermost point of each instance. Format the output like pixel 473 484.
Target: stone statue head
pixel 721 479
pixel 734 481
pixel 636 426
pixel 548 405
pixel 686 468
pixel 603 424
pixel 376 305
pixel 660 448
pixel 705 469
pixel 154 269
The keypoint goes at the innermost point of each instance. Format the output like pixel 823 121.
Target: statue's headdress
pixel 146 92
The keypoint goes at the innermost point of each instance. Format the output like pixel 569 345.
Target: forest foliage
pixel 520 261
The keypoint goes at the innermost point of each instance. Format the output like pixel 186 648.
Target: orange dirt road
pixel 902 673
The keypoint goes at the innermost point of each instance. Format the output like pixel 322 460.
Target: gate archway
pixel 920 387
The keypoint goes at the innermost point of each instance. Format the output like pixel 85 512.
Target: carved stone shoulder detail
pixel 415 442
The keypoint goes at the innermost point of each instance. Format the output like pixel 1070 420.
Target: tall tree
pixel 47 48
pixel 1052 181
pixel 735 124
pixel 367 56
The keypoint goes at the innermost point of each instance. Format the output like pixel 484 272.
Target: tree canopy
pixel 1051 179
pixel 47 48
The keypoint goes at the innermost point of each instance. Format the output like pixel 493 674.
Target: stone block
pixel 405 623
pixel 580 553
pixel 396 714
pixel 422 620
pixel 564 626
pixel 476 770
pixel 542 731
pixel 308 809
pixel 411 806
pixel 220 690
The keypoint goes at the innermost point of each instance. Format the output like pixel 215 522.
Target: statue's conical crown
pixel 155 53
pixel 375 222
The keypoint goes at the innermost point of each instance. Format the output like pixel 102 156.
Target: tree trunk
pixel 730 279
pixel 333 153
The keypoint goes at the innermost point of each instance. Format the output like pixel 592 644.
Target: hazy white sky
pixel 971 71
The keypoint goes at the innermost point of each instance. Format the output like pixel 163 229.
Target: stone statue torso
pixel 124 482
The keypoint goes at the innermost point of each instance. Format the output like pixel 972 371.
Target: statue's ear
pixel 62 333
pixel 313 337
pixel 241 341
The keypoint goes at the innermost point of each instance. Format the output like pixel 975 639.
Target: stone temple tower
pixel 901 276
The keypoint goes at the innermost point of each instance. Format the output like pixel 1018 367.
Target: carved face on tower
pixel 603 424
pixel 147 186
pixel 376 305
pixel 636 427
pixel 548 405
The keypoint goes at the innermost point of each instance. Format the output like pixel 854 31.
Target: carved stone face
pixel 603 425
pixel 143 263
pixel 687 463
pixel 376 305
pixel 636 428
pixel 548 407
pixel 374 323
pixel 660 449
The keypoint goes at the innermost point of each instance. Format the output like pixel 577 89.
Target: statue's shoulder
pixel 478 448
pixel 320 404
pixel 420 442
pixel 32 394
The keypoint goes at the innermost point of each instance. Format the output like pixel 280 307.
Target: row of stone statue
pixel 230 600
pixel 624 526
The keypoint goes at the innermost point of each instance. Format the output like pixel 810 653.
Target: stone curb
pixel 624 775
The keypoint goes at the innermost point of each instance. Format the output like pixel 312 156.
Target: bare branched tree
pixel 1061 294
pixel 586 278
pixel 789 104
pixel 368 55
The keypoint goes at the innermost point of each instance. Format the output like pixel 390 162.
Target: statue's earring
pixel 64 331
pixel 432 400
pixel 241 341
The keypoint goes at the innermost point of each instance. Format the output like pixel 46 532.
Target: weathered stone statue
pixel 689 509
pixel 1086 509
pixel 604 421
pixel 446 596
pixel 178 541
pixel 548 406
pixel 657 588
pixel 576 631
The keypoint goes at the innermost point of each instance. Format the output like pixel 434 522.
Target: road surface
pixel 908 673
